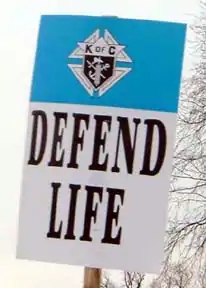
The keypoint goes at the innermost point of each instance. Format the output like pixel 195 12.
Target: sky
pixel 19 23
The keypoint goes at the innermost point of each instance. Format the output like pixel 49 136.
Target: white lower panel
pixel 142 217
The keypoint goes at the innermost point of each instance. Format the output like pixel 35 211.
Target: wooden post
pixel 92 277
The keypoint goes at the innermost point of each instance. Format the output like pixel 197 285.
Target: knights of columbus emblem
pixel 98 71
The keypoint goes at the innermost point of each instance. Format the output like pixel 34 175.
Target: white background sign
pixel 97 165
pixel 137 203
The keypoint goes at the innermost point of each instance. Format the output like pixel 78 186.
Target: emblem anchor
pixel 98 66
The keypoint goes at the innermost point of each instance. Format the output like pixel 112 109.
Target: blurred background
pixel 186 236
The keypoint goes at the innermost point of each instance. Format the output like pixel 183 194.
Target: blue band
pixel 155 48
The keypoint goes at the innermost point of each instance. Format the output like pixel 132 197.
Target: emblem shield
pixel 98 69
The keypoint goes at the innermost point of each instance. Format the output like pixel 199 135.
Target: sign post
pixel 92 277
pixel 99 143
